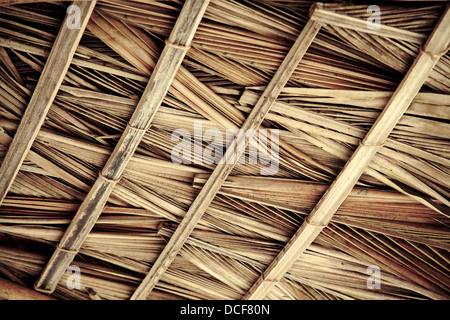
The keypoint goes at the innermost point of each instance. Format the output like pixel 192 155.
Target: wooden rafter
pixel 47 87
pixel 436 45
pixel 91 208
pixel 223 169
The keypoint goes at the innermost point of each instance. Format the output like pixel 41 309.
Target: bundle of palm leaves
pixel 397 217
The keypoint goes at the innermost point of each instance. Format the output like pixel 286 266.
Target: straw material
pixel 396 218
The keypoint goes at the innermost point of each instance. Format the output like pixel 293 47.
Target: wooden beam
pixel 160 81
pixel 327 16
pixel 55 69
pixel 13 291
pixel 46 164
pixel 321 215
pixel 223 169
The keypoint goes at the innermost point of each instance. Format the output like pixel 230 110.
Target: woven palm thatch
pixel 396 219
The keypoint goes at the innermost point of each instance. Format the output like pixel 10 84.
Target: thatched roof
pixel 342 190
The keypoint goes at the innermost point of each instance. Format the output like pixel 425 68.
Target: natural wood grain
pixel 12 291
pixel 221 172
pixel 323 212
pixel 157 87
pixel 396 217
pixel 51 78
pixel 322 14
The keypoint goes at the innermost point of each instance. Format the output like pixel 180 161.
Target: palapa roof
pixel 92 97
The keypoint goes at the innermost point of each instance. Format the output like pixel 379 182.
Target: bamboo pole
pixel 48 85
pixel 223 169
pixel 176 46
pixel 321 215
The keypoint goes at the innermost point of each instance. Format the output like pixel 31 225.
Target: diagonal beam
pixel 55 69
pixel 436 45
pixel 327 16
pixel 12 291
pixel 89 211
pixel 223 169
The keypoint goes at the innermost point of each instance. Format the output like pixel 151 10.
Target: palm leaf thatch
pixel 395 218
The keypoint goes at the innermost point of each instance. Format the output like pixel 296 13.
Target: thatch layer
pixel 397 217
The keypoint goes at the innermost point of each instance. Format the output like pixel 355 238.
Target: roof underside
pixel 348 180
